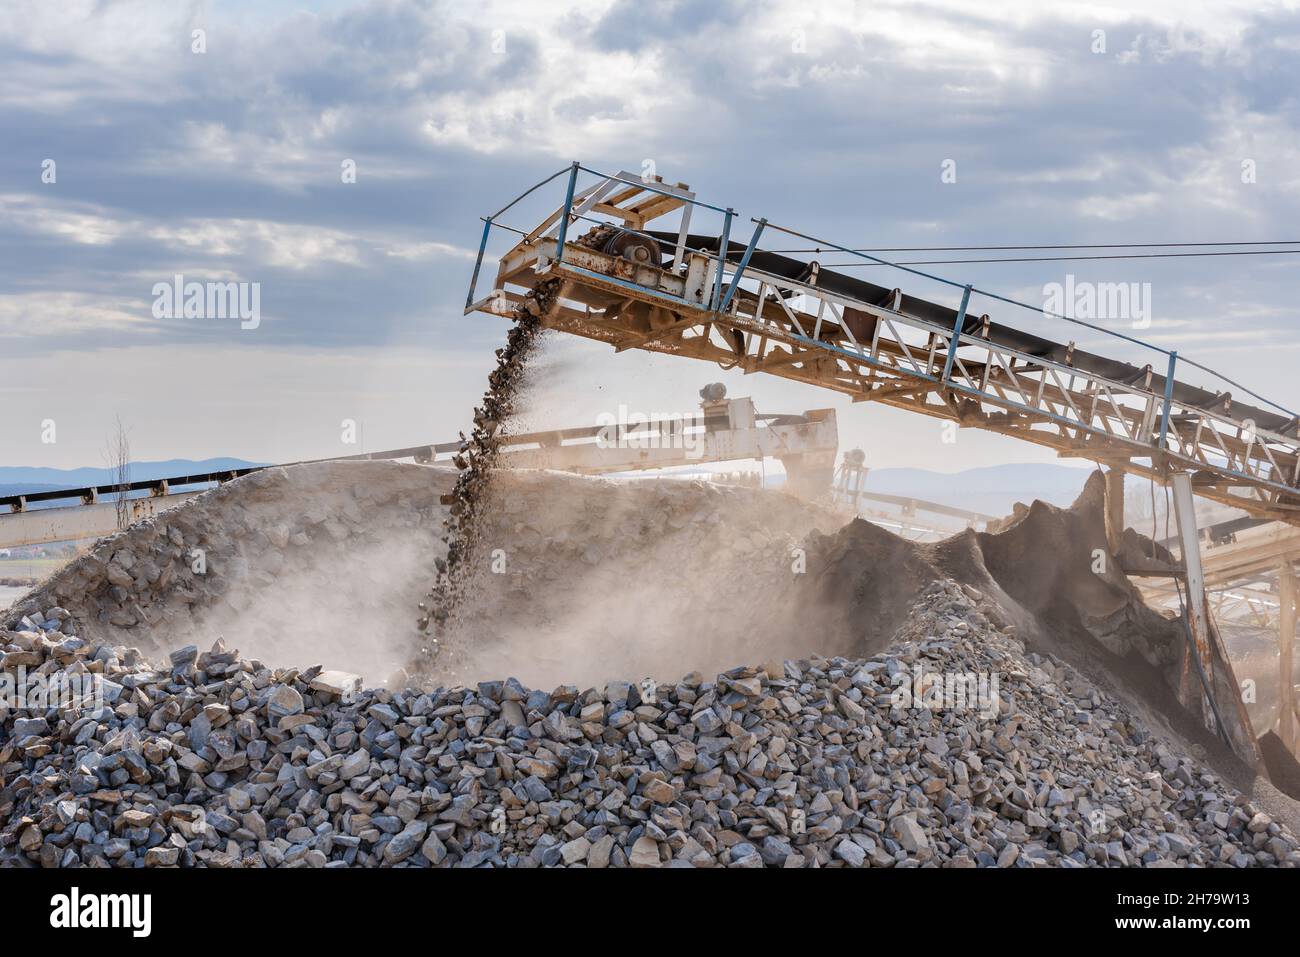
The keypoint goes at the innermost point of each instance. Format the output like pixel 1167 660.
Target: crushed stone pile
pixel 1050 572
pixel 575 579
pixel 1042 568
pixel 216 760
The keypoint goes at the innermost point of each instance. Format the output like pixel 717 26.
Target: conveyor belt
pixel 860 289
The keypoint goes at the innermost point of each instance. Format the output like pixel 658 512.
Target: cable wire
pixel 1052 259
pixel 944 249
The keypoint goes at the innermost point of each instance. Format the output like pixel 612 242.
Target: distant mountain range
pixel 23 480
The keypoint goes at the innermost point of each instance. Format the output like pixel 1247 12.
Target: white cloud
pixel 63 314
pixel 82 223
pixel 275 244
pixel 427 251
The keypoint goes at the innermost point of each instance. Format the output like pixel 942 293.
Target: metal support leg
pixel 1286 726
pixel 740 269
pixel 723 245
pixel 564 217
pixel 478 264
pixel 1185 510
pixel 956 334
pixel 1169 400
pixel 1114 510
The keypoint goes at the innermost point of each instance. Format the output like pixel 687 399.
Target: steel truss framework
pixel 716 305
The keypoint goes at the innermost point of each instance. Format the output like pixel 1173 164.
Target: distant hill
pixel 991 490
pixel 26 489
pixel 16 480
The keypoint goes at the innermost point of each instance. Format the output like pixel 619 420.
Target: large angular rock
pixel 909 833
pixel 285 700
pixel 645 853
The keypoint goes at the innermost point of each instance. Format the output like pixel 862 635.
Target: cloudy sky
pixel 130 157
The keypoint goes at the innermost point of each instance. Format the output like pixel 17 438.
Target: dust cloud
pixel 575 580
pixel 585 580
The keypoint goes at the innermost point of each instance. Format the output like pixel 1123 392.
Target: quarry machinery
pixel 724 430
pixel 706 297
pixel 635 272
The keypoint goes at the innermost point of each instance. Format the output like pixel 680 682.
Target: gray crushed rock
pixel 209 759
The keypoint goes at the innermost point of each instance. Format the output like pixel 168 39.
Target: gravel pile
pixel 220 761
